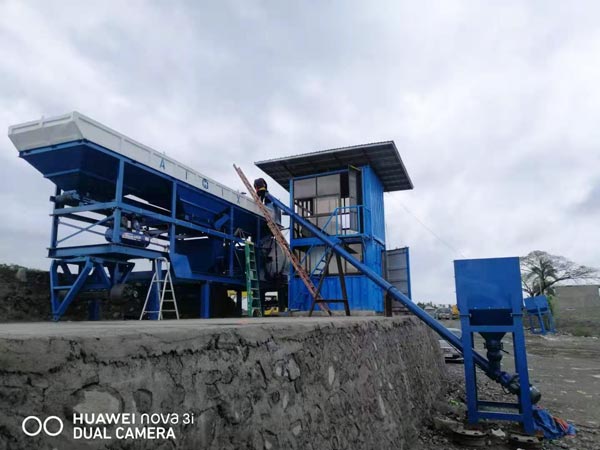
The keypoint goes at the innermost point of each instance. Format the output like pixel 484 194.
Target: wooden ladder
pixel 280 238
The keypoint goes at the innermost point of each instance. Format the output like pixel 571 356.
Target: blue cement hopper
pixel 490 302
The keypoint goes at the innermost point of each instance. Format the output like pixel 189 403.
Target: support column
pixel 94 309
pixel 470 374
pixel 205 301
pixel 116 236
pixel 174 217
pixel 54 230
pixel 231 243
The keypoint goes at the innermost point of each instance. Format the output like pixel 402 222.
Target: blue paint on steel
pixel 368 231
pixel 60 306
pixel 489 299
pixel 82 229
pixel 373 204
pixel 205 301
pixel 408 282
pixel 362 293
pixel 54 227
pixel 490 370
pixel 196 228
pixel 232 244
pixel 116 238
pixel 540 316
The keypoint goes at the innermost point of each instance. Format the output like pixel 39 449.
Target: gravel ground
pixel 567 371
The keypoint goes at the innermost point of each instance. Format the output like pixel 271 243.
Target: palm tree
pixel 540 271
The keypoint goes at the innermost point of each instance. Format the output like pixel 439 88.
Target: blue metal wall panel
pixel 373 255
pixel 363 294
pixel 373 202
pixel 488 284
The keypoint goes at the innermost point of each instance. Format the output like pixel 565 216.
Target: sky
pixel 493 106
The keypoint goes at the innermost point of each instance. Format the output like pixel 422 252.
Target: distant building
pixel 577 309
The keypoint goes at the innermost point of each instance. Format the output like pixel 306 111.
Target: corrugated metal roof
pixel 383 157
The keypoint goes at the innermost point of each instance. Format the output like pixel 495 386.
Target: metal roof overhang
pixel 383 157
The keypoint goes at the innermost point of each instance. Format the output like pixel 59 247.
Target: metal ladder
pixel 323 263
pixel 165 290
pixel 252 288
pixel 312 289
pixel 321 270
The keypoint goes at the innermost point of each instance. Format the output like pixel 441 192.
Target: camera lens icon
pixel 42 426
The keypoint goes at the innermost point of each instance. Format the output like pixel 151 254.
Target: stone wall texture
pixel 320 383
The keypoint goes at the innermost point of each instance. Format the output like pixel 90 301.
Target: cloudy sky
pixel 494 107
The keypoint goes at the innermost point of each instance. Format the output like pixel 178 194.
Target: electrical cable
pixel 433 233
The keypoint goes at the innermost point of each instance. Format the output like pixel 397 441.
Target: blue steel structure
pixel 540 316
pixel 497 310
pixel 122 211
pixel 490 300
pixel 341 191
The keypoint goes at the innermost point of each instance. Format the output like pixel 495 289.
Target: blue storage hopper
pixel 490 302
pixel 117 201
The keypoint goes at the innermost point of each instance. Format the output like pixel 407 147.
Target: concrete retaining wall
pixel 320 383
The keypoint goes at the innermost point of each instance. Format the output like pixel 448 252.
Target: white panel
pixel 75 126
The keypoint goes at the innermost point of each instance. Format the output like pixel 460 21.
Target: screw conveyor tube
pixel 507 380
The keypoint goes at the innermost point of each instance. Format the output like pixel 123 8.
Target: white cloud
pixel 492 105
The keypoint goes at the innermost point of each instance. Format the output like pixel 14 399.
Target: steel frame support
pixel 94 259
pixel 91 276
pixel 205 300
pixel 60 306
pixel 542 318
pixel 477 409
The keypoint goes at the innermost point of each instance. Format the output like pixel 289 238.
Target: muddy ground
pixel 565 368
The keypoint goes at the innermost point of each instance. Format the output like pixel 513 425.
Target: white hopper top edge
pixel 75 126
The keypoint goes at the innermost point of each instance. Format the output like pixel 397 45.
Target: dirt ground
pixel 565 368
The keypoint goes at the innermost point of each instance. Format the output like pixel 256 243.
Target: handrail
pixel 336 213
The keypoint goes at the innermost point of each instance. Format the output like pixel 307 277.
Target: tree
pixel 540 271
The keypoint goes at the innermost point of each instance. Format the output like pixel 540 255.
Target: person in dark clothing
pixel 260 185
